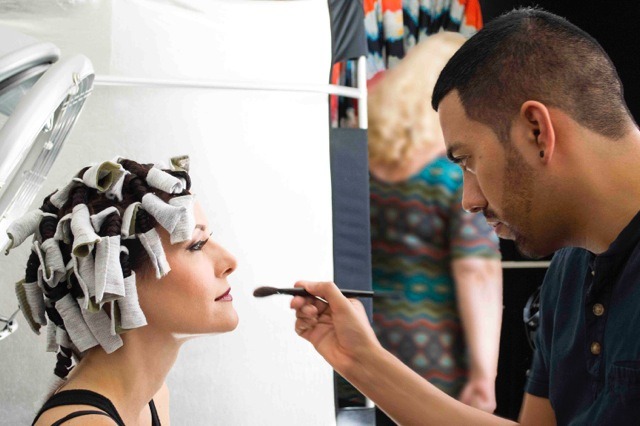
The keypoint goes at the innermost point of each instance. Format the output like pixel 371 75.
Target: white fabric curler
pixel 164 181
pixel 100 326
pixel 153 245
pixel 165 214
pixel 109 281
pixel 74 322
pixel 98 219
pixel 102 176
pixel 187 223
pixel 54 265
pixel 20 229
pixel 63 230
pixel 129 220
pixel 84 237
pixel 115 192
pixel 130 313
pixel 61 196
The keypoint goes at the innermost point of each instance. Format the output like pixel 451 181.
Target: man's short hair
pixel 531 54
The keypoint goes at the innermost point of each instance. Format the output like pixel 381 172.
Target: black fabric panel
pixel 350 198
pixel 515 353
pixel 348 40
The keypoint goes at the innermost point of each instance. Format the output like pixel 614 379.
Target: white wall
pixel 260 164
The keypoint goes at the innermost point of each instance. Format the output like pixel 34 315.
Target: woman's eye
pixel 197 246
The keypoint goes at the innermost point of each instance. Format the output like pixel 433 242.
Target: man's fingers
pixel 329 292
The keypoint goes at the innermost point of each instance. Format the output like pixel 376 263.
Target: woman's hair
pixel 90 238
pixel 400 114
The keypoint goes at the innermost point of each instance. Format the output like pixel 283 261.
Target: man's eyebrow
pixel 201 227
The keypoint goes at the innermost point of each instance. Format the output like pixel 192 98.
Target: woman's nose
pixel 225 262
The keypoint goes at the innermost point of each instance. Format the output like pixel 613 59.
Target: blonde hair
pixel 400 115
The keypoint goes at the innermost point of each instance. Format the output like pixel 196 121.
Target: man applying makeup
pixel 532 110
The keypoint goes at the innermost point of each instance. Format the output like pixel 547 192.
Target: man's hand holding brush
pixel 339 329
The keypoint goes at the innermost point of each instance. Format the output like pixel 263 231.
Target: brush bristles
pixel 264 291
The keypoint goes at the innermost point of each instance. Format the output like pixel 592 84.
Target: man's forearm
pixel 408 398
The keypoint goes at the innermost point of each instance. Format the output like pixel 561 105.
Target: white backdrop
pixel 260 165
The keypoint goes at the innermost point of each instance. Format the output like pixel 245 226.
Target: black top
pixel 587 360
pixel 87 397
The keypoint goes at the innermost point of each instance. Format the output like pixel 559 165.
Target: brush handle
pixel 305 293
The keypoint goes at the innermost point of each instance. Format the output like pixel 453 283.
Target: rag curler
pixel 100 326
pixel 183 230
pixel 153 245
pixel 74 323
pixel 163 181
pixel 84 237
pixel 165 214
pixel 102 176
pixel 21 228
pixel 63 230
pixel 61 196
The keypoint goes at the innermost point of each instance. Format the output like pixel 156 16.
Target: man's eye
pixel 462 162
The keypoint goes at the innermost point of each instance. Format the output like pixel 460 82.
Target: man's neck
pixel 612 193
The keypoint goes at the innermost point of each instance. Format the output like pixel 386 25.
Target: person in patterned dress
pixel 437 265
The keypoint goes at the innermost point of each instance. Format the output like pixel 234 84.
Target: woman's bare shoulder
pixel 53 415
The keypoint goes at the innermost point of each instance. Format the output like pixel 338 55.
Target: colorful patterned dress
pixel 418 227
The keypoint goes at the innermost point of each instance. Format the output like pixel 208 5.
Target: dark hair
pixel 531 54
pixel 134 259
pixel 134 188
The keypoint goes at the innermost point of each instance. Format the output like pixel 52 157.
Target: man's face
pixel 498 180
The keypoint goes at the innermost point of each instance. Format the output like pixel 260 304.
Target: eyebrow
pixel 203 228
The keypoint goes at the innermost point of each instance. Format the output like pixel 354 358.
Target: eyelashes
pixel 197 246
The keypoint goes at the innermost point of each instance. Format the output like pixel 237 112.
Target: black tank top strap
pixel 81 397
pixel 155 419
pixel 78 414
pixel 87 397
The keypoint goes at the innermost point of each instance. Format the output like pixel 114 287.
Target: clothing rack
pixel 523 264
pixel 359 92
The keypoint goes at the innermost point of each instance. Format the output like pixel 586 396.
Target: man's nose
pixel 473 199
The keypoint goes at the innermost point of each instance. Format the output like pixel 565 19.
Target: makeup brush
pixel 268 291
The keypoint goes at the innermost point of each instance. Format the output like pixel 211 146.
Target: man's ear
pixel 538 125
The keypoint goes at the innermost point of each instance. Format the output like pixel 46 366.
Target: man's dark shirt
pixel 587 360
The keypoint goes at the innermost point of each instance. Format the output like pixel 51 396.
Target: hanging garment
pixel 393 27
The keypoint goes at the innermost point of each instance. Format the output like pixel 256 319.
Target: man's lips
pixel 226 296
pixel 496 225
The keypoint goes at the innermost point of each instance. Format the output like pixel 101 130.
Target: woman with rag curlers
pixel 122 271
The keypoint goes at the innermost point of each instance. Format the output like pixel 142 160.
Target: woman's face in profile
pixel 194 297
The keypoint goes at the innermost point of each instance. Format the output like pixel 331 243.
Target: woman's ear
pixel 539 128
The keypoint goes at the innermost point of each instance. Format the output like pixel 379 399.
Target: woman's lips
pixel 225 297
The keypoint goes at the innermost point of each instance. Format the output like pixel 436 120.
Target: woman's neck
pixel 131 375
pixel 403 170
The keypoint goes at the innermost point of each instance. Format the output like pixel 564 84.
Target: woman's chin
pixel 228 326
